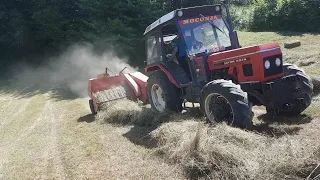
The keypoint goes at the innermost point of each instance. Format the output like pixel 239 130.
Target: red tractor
pixel 193 55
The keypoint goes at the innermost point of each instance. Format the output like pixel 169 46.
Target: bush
pixel 241 16
pixel 278 15
pixel 286 15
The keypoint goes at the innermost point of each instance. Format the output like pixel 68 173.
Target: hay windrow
pixel 231 153
pixel 119 112
pixel 220 151
pixel 126 112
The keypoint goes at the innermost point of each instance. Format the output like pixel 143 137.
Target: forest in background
pixel 31 30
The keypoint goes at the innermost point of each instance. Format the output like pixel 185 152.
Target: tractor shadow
pixel 277 132
pixel 140 135
pixel 296 120
pixel 280 126
pixel 89 118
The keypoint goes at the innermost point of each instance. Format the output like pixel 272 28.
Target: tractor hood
pixel 249 64
pixel 241 55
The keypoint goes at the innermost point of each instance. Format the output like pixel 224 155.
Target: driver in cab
pixel 180 49
pixel 180 46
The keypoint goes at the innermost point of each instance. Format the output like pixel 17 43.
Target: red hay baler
pixel 106 88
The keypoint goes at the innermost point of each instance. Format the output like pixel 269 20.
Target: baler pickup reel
pixel 107 88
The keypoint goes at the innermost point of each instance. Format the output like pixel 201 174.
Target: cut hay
pixel 119 112
pixel 127 112
pixel 223 152
pixel 307 63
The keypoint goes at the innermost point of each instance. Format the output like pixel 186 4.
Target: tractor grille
pixel 247 70
pixel 273 70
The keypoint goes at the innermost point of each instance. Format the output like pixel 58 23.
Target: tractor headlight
pixel 267 64
pixel 278 62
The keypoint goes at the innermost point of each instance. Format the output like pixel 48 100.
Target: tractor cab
pixel 184 34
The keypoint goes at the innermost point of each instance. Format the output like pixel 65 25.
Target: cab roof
pixel 160 21
pixel 171 15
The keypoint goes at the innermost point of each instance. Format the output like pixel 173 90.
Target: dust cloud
pixel 71 69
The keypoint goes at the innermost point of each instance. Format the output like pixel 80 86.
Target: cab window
pixel 153 49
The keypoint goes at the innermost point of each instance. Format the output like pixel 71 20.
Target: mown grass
pixel 277 148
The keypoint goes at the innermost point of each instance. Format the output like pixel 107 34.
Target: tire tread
pixel 236 97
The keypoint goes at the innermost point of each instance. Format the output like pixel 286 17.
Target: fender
pixel 154 67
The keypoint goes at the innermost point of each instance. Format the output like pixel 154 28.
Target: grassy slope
pixel 48 135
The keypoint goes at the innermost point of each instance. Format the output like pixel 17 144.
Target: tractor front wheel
pixel 224 101
pixel 304 91
pixel 163 95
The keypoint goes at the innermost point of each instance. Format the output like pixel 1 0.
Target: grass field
pixel 46 132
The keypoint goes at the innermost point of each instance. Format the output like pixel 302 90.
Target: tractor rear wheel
pixel 224 101
pixel 163 95
pixel 305 91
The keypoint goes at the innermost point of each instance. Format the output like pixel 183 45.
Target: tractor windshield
pixel 205 34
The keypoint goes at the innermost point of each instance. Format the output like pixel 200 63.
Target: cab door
pixel 153 47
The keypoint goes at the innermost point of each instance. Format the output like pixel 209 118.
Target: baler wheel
pixel 224 101
pixel 163 95
pixel 91 105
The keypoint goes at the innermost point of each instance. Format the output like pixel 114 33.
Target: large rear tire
pixel 305 92
pixel 163 95
pixel 224 101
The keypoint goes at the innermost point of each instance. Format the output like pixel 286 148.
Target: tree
pixel 121 23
